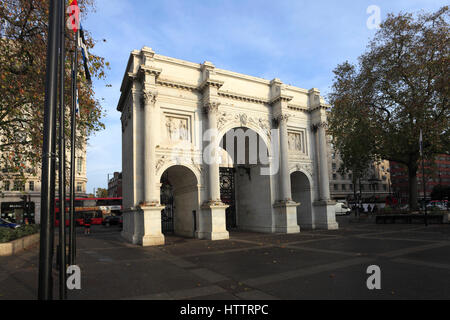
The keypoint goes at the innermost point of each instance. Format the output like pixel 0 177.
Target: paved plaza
pixel 414 262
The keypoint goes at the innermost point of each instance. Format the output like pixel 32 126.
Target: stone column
pixel 148 218
pixel 212 219
pixel 324 209
pixel 211 110
pixel 285 209
pixel 150 195
pixel 285 179
pixel 323 162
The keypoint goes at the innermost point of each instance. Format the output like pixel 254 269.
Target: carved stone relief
pixel 244 120
pixel 177 128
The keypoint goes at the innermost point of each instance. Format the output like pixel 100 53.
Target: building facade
pixel 375 186
pixel 20 199
pixel 115 186
pixel 437 173
pixel 206 150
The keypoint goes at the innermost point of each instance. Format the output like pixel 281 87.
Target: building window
pixel 6 185
pixel 80 164
pixel 384 187
pixel 334 176
pixel 334 166
pixel 351 187
pixel 350 176
pixel 336 187
pixel 19 185
pixel 344 187
pixel 31 186
pixel 79 187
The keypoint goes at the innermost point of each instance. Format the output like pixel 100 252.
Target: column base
pixel 148 241
pixel 212 221
pixel 286 217
pixel 325 214
pixel 149 219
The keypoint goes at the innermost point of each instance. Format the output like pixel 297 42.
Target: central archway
pixel 244 155
pixel 180 195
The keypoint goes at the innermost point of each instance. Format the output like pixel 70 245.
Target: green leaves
pixel 399 86
pixel 23 51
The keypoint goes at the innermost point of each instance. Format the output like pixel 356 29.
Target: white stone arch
pixel 305 212
pixel 306 173
pixel 186 197
pixel 250 125
pixel 193 167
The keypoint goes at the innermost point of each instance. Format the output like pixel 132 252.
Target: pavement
pixel 414 261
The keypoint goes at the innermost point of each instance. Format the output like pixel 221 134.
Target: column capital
pixel 319 125
pixel 284 118
pixel 211 107
pixel 148 97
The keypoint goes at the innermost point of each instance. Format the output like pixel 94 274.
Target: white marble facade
pixel 175 112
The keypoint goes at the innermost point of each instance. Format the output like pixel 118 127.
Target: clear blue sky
pixel 300 42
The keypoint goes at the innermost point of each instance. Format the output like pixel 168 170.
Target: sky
pixel 299 42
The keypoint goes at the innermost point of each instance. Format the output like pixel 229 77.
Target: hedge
pixel 8 235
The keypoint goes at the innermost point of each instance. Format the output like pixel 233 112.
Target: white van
pixel 342 209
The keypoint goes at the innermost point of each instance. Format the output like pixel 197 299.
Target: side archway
pixel 180 195
pixel 302 193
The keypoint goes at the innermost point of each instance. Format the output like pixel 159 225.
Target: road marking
pixel 305 272
pixel 208 275
pixel 345 253
pixel 255 295
pixel 422 263
pixel 405 251
pixel 182 294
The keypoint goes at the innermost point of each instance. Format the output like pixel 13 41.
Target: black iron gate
pixel 227 195
pixel 167 200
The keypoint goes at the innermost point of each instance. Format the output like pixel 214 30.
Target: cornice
pixel 320 107
pixel 281 97
pixel 211 83
pixel 298 108
pixel 242 97
pixel 177 85
pixel 149 70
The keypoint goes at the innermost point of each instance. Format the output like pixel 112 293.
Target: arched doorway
pixel 180 196
pixel 244 187
pixel 301 193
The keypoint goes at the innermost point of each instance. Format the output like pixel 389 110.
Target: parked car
pixel 111 220
pixel 342 209
pixel 7 224
pixel 440 205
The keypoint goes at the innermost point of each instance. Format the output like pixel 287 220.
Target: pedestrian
pixel 87 224
pixel 375 209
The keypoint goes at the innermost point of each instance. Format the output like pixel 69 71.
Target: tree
pixel 102 193
pixel 440 193
pixel 23 49
pixel 398 87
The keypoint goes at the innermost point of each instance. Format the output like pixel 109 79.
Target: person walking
pixel 87 224
pixel 375 209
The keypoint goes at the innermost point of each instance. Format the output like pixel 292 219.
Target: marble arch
pixel 168 105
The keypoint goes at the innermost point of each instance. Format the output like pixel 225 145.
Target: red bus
pixel 95 208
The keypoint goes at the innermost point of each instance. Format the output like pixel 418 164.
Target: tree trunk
pixel 412 175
